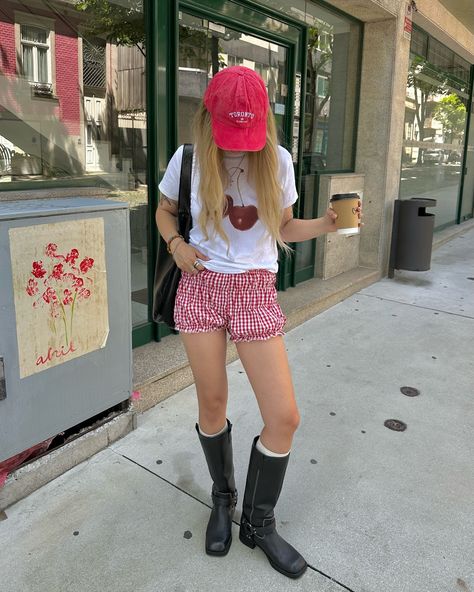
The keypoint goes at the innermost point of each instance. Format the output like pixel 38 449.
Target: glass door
pixel 205 47
pixel 210 41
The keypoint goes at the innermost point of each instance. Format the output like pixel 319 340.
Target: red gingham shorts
pixel 243 303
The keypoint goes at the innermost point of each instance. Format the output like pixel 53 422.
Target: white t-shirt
pixel 250 245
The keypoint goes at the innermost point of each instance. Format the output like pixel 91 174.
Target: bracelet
pixel 177 246
pixel 170 240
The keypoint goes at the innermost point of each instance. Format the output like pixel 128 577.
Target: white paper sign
pixel 60 292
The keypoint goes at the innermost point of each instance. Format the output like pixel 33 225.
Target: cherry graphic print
pixel 241 217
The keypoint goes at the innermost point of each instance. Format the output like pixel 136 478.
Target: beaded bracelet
pixel 170 240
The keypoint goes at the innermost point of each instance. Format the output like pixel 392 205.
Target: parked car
pixel 5 160
pixel 434 155
pixel 454 156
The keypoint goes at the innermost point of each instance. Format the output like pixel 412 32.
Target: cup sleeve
pixel 169 184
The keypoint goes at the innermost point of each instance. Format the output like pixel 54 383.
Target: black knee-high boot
pixel 262 490
pixel 218 453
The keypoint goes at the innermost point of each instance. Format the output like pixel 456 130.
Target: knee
pixel 286 423
pixel 293 421
pixel 212 405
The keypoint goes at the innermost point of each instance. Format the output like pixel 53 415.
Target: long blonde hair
pixel 263 175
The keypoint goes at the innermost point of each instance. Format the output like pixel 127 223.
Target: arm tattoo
pixel 166 200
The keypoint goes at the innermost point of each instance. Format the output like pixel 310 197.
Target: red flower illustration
pixel 57 272
pixel 72 256
pixel 38 269
pixel 86 264
pixel 68 298
pixel 32 287
pixel 62 287
pixel 49 296
pixel 51 249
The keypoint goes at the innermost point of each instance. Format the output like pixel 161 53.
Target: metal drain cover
pixel 409 391
pixel 395 424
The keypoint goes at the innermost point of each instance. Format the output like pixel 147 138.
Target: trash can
pixel 65 316
pixel 412 235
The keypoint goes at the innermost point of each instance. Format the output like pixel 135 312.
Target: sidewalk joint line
pixel 454 314
pixel 210 508
pixel 163 479
pixel 168 482
pixel 329 578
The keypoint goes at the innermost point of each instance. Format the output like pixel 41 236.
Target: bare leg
pixel 266 365
pixel 207 355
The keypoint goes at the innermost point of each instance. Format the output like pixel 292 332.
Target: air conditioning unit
pixel 42 89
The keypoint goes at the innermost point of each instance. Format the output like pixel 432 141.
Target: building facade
pixel 373 97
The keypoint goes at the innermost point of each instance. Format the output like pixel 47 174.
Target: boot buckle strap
pixel 224 499
pixel 251 530
pixel 259 531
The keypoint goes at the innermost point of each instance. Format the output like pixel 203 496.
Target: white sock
pixel 212 435
pixel 261 448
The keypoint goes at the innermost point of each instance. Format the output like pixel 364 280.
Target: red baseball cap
pixel 237 101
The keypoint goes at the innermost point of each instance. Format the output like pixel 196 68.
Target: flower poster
pixel 60 292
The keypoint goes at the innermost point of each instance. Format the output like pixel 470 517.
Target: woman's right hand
pixel 185 257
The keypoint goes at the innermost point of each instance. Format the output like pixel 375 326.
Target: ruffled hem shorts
pixel 245 304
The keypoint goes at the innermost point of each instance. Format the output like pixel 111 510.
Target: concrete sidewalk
pixel 371 509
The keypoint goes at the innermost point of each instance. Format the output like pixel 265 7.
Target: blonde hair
pixel 263 175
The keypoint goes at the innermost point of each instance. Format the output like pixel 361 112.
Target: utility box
pixel 65 316
pixel 412 235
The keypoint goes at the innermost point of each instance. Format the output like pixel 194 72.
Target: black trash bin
pixel 412 235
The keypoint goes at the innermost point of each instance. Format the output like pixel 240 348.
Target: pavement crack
pixel 454 314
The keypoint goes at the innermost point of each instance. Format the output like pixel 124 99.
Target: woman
pixel 243 190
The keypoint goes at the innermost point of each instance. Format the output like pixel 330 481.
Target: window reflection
pixel 435 121
pixel 72 108
pixel 330 91
pixel 206 47
pixel 332 72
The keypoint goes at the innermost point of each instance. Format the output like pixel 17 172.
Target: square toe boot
pixel 219 458
pixel 257 528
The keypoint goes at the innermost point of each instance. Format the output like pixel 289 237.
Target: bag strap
pixel 184 196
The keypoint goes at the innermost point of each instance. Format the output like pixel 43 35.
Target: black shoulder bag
pixel 167 273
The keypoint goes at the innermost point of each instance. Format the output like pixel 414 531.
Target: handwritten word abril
pixel 55 353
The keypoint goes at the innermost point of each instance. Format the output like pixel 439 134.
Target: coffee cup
pixel 345 205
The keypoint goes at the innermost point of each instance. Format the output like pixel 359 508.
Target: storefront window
pixel 435 123
pixel 331 84
pixel 73 112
